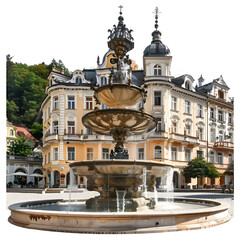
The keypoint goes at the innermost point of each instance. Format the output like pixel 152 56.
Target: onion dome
pixel 156 48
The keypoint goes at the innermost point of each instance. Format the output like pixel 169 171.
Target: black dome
pixel 156 48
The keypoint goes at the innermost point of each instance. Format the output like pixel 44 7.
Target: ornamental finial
pixel 156 12
pixel 121 7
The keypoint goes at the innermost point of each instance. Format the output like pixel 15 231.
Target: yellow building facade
pixel 184 113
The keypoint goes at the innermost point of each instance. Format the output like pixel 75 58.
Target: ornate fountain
pixel 120 175
pixel 123 204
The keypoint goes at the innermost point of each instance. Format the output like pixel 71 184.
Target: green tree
pixel 12 112
pixel 19 148
pixel 199 168
pixel 37 130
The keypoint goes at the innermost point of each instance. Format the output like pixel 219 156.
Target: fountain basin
pixel 108 176
pixel 205 214
pixel 119 95
pixel 116 121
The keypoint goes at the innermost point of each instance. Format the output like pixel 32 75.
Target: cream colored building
pixel 181 105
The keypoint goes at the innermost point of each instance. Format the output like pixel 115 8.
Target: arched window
pixel 158 152
pixel 103 81
pixel 11 132
pixel 157 70
pixel 187 85
pixel 78 80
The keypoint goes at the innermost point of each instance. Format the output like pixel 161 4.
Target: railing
pixel 24 159
pixel 50 136
pixel 223 144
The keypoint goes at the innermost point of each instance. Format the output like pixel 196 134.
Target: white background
pixel 203 37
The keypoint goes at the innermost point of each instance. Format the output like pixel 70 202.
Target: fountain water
pixel 123 205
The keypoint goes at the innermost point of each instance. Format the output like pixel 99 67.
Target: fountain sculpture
pixel 123 205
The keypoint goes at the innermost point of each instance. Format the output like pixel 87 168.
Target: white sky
pixel 202 35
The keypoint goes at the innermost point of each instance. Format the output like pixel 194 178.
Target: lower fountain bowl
pixel 44 215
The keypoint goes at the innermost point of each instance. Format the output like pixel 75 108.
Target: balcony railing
pixel 24 159
pixel 223 145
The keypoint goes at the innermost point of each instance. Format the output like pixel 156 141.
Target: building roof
pixel 21 131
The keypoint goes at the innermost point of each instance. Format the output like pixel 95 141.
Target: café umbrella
pixel 18 174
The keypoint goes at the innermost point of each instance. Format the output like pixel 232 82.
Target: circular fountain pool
pixel 168 215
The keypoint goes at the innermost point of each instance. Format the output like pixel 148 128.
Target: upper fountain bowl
pixel 119 95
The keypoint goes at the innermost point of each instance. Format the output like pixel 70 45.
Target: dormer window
pixel 187 85
pixel 157 70
pixel 78 80
pixel 220 94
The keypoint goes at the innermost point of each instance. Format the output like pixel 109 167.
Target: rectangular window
pixel 89 153
pixel 212 113
pixel 89 103
pixel 55 127
pixel 45 116
pixel 220 136
pixel 230 118
pixel 220 115
pixel 213 135
pixel 174 153
pixel 199 153
pixel 187 107
pixel 173 103
pixel 45 159
pixel 200 132
pixel 55 153
pixel 188 130
pixel 141 153
pixel 55 103
pixel 229 158
pixel 49 159
pixel 71 153
pixel 103 81
pixel 105 153
pixel 71 102
pixel 174 127
pixel 49 112
pixel 157 98
pixel 187 154
pixel 159 125
pixel 88 131
pixel 71 127
pixel 212 157
pixel 220 158
pixel 199 110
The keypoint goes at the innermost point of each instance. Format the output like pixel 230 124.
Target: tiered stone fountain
pixel 123 205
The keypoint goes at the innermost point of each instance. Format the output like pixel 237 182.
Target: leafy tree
pixel 37 130
pixel 26 89
pixel 12 111
pixel 198 168
pixel 40 70
pixel 19 148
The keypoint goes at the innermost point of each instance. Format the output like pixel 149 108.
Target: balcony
pixel 158 134
pixel 23 159
pixel 177 138
pixel 224 145
pixel 50 137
